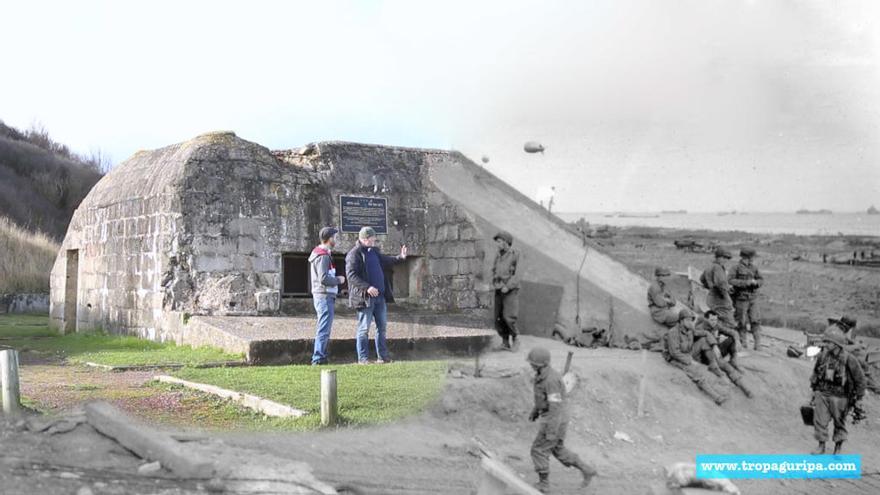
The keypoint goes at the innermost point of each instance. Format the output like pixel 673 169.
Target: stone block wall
pixel 456 258
pixel 121 235
pixel 199 228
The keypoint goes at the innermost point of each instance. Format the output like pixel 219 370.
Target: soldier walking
pixel 838 385
pixel 552 414
pixel 505 280
pixel 745 280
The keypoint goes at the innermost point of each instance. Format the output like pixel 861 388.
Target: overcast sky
pixel 642 105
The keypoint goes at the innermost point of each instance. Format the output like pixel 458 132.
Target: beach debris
pixel 570 381
pixel 149 468
pixel 51 426
pixel 684 474
pixel 148 443
pixel 619 435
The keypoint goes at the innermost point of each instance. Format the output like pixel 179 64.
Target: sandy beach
pixel 800 291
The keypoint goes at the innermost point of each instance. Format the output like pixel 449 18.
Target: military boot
pixel 717 371
pixel 819 450
pixel 711 392
pixel 733 362
pixel 543 484
pixel 838 445
pixel 739 382
pixel 587 472
pixel 757 337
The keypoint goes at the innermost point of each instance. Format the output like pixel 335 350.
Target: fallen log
pixel 498 478
pixel 148 443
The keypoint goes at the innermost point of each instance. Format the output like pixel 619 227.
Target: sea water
pixel 860 224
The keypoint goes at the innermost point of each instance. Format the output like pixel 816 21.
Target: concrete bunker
pixel 218 226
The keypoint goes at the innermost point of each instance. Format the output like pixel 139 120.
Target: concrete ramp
pixel 598 290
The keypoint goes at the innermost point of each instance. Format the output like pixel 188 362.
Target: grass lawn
pixel 29 326
pixel 367 394
pixel 31 332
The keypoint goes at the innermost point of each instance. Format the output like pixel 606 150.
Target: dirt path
pixel 433 453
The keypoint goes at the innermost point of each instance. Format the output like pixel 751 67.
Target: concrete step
pixel 291 340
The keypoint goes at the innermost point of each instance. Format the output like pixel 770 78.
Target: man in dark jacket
pixel 838 385
pixel 505 280
pixel 745 280
pixel 325 287
pixel 369 290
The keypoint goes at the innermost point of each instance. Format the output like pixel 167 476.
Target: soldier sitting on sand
pixel 710 349
pixel 660 301
pixel 679 352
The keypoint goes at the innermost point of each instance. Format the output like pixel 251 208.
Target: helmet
pixel 720 252
pixel 747 252
pixel 539 356
pixel 685 313
pixel 662 272
pixel 845 322
pixel 834 336
pixel 506 236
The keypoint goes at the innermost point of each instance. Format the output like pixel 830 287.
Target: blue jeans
pixel 324 307
pixel 377 310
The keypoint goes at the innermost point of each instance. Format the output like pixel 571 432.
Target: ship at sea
pixel 803 211
pixel 873 210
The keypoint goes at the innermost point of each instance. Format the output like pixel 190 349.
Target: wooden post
pixel 610 320
pixel 328 398
pixel 9 381
pixel 478 370
pixel 643 385
pixel 567 362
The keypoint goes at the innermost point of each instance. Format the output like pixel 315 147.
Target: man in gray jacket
pixel 325 287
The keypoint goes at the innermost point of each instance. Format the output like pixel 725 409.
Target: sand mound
pixel 678 421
